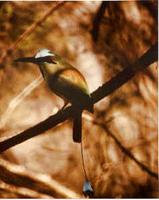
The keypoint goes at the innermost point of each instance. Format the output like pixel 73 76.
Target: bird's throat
pixel 48 70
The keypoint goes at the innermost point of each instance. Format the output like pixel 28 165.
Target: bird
pixel 66 82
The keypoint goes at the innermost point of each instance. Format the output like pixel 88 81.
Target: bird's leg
pixel 61 109
pixel 65 104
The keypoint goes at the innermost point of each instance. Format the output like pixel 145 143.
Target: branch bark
pixel 29 30
pixel 125 75
pixel 121 78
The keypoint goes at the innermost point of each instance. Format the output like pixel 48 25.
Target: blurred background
pixel 99 39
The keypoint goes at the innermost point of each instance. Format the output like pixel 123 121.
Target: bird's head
pixel 43 55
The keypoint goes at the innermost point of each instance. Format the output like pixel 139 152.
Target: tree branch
pixel 126 74
pixel 122 77
pixel 125 150
pixel 37 182
pixel 152 7
pixel 97 20
pixel 20 192
pixel 29 30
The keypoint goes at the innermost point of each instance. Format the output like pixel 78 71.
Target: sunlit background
pixel 127 30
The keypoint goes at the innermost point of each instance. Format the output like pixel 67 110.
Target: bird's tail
pixel 77 127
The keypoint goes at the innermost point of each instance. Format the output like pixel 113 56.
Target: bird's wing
pixel 75 78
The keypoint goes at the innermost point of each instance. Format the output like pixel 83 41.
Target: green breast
pixel 67 82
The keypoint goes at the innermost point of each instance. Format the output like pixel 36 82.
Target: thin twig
pixel 18 99
pixel 41 183
pixel 29 30
pixel 122 77
pixel 125 150
pixel 21 192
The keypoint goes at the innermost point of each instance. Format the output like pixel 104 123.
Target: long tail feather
pixel 77 127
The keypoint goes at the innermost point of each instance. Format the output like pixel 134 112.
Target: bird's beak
pixel 26 59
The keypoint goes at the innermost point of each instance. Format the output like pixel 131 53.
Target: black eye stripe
pixel 48 59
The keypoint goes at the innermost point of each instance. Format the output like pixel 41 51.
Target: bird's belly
pixel 70 92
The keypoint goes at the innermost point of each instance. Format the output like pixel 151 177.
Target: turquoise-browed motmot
pixel 65 81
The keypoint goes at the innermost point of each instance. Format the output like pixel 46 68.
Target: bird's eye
pixel 50 59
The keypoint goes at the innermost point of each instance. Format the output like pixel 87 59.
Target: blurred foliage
pixel 126 31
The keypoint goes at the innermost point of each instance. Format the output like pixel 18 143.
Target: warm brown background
pixel 126 31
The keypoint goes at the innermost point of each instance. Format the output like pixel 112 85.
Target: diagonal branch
pixel 125 150
pixel 126 74
pixel 29 30
pixel 122 77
